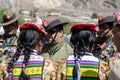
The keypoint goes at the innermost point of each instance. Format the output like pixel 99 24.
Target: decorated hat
pixel 107 19
pixel 53 21
pixel 9 17
pixel 84 26
pixel 30 25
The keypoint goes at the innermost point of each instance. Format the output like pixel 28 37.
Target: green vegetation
pixel 33 12
pixel 1 13
pixel 21 21
pixel 68 26
pixel 50 10
pixel 94 15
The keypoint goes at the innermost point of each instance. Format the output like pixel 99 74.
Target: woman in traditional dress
pixel 27 63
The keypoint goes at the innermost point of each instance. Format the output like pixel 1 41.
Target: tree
pixel 94 15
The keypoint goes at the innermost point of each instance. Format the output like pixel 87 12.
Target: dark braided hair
pixel 85 38
pixel 81 40
pixel 27 41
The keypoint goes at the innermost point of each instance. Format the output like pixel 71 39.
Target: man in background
pixel 8 40
pixel 104 38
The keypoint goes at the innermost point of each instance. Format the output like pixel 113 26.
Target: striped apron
pixel 33 70
pixel 89 67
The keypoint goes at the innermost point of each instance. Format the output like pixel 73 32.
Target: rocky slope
pixel 78 6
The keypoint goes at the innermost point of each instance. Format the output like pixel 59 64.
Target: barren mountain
pixel 77 6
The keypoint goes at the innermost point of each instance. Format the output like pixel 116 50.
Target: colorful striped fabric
pixel 33 69
pixel 89 66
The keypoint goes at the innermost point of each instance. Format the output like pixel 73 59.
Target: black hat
pixel 9 17
pixel 104 20
pixel 53 21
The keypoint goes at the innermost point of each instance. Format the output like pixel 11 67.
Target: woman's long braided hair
pixel 81 40
pixel 27 41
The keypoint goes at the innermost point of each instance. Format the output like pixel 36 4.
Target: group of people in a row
pixel 42 52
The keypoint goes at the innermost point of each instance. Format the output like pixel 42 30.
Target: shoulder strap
pixel 107 44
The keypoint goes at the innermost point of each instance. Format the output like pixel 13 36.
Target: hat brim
pixel 10 22
pixel 63 24
pixel 105 22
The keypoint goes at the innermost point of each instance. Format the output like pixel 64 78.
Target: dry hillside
pixel 77 6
